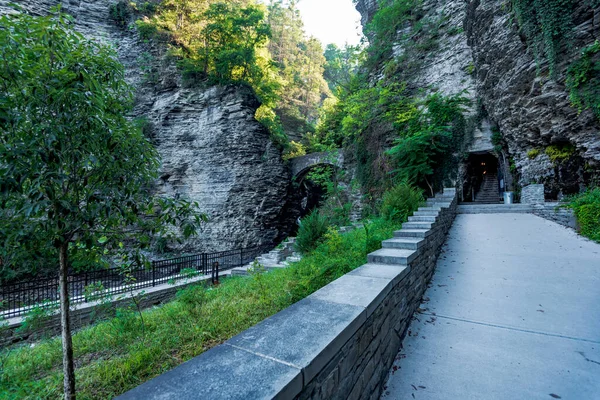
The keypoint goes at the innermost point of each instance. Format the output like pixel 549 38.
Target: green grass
pixel 587 210
pixel 117 355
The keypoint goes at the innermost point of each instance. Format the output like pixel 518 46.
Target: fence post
pixel 214 273
pixel 241 257
pixel 204 263
pixel 153 274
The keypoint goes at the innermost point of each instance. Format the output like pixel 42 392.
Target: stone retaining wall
pixel 533 194
pixel 337 343
pixel 554 213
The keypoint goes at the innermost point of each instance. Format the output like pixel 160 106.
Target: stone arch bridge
pixel 301 165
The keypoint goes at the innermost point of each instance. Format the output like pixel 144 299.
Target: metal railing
pixel 20 298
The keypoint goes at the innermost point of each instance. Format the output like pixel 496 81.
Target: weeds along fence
pixel 20 298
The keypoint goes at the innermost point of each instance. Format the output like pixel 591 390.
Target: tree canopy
pixel 246 42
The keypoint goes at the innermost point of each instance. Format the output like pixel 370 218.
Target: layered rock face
pixel 213 150
pixel 531 110
pixel 480 50
pixel 216 153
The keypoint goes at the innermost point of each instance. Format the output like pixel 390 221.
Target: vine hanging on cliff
pixel 583 80
pixel 545 24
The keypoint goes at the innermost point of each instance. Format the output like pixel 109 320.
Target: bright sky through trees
pixel 331 21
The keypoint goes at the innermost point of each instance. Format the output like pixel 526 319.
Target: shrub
pixel 120 13
pixel 295 149
pixel 147 8
pixel 337 255
pixel 400 201
pixel 312 230
pixel 560 152
pixel 146 29
pixel 583 78
pixel 587 210
pixel 337 214
pixel 533 153
pixel 267 117
pixel 588 217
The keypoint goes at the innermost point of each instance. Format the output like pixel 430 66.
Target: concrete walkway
pixel 513 312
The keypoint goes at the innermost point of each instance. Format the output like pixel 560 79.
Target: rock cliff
pixel 213 150
pixel 480 50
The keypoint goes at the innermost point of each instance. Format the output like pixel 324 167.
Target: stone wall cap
pixel 223 372
pixel 389 255
pixel 356 290
pixel 305 335
pixel 386 271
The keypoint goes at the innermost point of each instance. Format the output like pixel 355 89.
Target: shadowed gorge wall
pixel 213 150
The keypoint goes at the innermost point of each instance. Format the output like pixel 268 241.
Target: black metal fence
pixel 21 298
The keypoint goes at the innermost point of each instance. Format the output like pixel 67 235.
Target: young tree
pixel 71 164
pixel 341 66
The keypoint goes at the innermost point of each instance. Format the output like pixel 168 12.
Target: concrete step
pixel 432 207
pixel 414 233
pixel 267 263
pixel 426 213
pixel 240 271
pixel 438 204
pixel 494 208
pixel 443 197
pixel 417 225
pixel 422 218
pixel 392 256
pixel 406 243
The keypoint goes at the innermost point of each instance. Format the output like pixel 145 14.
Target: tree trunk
pixel 67 341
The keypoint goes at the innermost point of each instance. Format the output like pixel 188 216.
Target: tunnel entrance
pixel 311 194
pixel 308 193
pixel 483 179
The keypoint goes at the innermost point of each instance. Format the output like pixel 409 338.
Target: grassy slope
pixel 117 355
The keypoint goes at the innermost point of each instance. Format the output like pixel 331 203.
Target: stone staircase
pixel 280 257
pixel 494 208
pixel 402 248
pixel 488 192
